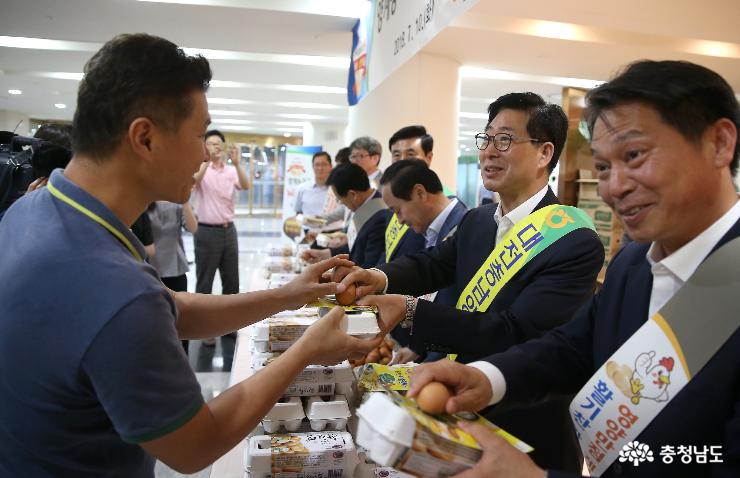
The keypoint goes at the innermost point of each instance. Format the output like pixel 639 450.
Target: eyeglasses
pixel 501 141
pixel 356 157
pixel 214 143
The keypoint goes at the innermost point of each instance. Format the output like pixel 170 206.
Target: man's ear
pixel 545 154
pixel 419 192
pixel 141 136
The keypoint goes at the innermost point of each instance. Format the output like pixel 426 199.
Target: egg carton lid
pixel 291 409
pixel 318 409
pixel 361 324
pixel 386 421
pixel 258 454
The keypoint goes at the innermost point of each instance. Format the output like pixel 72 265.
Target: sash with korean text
pixel 393 234
pixel 521 244
pixel 634 385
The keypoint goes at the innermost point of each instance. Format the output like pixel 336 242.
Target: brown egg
pixel 348 296
pixel 433 397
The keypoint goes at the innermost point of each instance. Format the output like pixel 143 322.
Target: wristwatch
pixel 408 320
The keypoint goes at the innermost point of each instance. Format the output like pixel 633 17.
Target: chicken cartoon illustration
pixel 650 381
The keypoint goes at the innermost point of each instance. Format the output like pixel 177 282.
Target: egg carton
pixel 287 414
pixel 281 264
pixel 278 333
pixel 311 454
pixel 314 379
pixel 331 413
pixel 358 323
pixel 397 434
pixel 287 250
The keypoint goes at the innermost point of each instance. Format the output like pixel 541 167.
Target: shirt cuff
pixel 385 289
pixel 495 377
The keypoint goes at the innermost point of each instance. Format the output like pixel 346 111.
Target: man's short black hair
pixel 56 133
pixel 688 97
pixel 404 175
pixel 547 122
pixel 342 156
pixel 132 76
pixel 346 177
pixel 320 154
pixel 414 131
pixel 215 132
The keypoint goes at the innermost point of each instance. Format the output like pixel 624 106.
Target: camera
pixel 22 161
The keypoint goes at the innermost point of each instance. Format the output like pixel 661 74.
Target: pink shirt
pixel 215 194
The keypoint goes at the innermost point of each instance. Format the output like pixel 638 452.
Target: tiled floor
pixel 256 234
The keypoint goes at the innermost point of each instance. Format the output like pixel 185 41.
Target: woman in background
pixel 167 220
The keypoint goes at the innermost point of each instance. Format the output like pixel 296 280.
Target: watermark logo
pixel 636 453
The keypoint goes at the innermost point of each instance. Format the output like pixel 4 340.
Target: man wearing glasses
pixel 511 285
pixel 366 153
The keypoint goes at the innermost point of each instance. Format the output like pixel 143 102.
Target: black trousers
pixel 178 284
pixel 217 249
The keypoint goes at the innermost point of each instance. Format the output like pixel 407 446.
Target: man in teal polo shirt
pixel 93 379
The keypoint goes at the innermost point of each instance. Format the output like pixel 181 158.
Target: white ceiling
pixel 271 55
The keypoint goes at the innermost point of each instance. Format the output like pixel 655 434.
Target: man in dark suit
pixel 523 140
pixel 366 224
pixel 664 137
pixel 415 194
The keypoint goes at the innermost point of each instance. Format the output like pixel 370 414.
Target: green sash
pixel 393 234
pixel 521 244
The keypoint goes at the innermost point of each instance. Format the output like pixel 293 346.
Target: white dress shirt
pixel 435 227
pixel 670 273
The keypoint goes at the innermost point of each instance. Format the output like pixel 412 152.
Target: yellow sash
pixel 393 234
pixel 521 244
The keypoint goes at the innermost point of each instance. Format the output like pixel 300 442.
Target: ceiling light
pixel 228 113
pixel 338 62
pixel 317 106
pixel 231 121
pixel 291 130
pixel 228 101
pixel 335 90
pixel 61 106
pixel 287 135
pixel 562 31
pixel 714 48
pixel 485 73
pixel 46 44
pixel 303 116
pixel 232 127
pixel 288 123
pixel 15 92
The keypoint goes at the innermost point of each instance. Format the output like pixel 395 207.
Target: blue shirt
pixel 90 361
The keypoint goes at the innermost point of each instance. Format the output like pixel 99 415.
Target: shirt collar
pixel 523 210
pixel 436 225
pixel 684 262
pixel 87 200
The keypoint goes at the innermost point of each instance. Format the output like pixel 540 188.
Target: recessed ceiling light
pixel 15 92
pixel 61 106
pixel 287 135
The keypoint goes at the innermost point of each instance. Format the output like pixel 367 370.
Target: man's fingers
pixel 420 376
pixel 483 435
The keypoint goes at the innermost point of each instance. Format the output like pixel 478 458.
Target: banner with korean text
pixel 389 33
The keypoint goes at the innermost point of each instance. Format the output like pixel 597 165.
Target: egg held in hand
pixel 433 397
pixel 348 296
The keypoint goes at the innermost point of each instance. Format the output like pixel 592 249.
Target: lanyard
pixel 71 202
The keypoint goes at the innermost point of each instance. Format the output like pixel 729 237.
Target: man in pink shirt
pixel 216 244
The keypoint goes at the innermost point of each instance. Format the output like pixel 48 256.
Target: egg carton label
pixel 325 450
pixel 308 388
